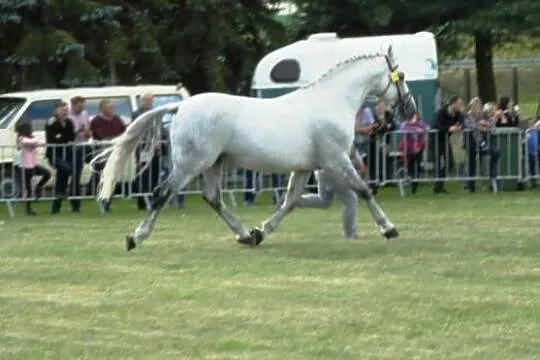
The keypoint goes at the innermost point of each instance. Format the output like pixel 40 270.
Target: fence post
pixel 515 85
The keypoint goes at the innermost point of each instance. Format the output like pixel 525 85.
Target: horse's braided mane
pixel 340 66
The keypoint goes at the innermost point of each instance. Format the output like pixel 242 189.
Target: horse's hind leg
pixel 297 181
pixel 345 170
pixel 161 195
pixel 212 196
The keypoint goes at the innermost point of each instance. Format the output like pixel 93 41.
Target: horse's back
pixel 262 134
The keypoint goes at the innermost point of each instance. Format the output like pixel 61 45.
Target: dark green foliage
pixel 208 44
pixel 215 44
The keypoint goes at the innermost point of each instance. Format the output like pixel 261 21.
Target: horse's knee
pixel 364 193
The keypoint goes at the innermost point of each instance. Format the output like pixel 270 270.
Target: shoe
pixel 440 191
pixel 30 212
pixel 38 192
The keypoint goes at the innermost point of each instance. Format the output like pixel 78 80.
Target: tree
pixel 213 45
pixel 512 18
pixel 208 44
pixel 488 21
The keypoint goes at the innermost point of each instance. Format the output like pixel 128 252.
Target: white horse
pixel 306 130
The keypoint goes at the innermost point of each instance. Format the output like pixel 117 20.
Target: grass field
pixel 462 282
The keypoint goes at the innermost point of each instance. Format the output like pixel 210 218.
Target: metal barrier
pixel 404 159
pixel 468 156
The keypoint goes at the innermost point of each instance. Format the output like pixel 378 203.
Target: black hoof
pixel 245 241
pixel 130 243
pixel 391 233
pixel 257 236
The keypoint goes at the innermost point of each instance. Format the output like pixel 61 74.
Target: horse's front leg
pixel 295 187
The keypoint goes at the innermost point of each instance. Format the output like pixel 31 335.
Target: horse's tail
pixel 145 130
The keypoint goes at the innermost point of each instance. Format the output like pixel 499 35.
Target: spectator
pixel 478 141
pixel 473 116
pixel 448 120
pixel 149 178
pixel 60 134
pixel 412 147
pixel 81 122
pixel 105 126
pixel 508 114
pixel 363 127
pixel 27 143
pixel 490 112
pixel 380 140
pixel 80 118
pixel 533 153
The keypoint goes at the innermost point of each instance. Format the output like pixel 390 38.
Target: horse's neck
pixel 353 82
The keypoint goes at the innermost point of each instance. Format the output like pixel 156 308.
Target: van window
pixel 39 112
pixel 121 105
pixel 8 108
pixel 160 100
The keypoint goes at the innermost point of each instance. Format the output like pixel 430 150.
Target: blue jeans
pixel 532 162
pixel 493 162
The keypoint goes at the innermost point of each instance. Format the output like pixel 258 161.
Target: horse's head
pixel 393 88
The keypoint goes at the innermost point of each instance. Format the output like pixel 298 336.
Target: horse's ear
pixel 390 52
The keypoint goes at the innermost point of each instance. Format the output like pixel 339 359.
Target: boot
pixel 29 211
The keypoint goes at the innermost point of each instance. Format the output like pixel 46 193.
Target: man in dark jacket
pixel 149 178
pixel 448 120
pixel 60 134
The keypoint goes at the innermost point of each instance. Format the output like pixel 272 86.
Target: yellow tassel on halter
pixel 394 76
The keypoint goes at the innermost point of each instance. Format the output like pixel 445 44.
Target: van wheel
pixel 9 186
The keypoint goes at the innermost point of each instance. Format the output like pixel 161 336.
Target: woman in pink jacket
pixel 412 147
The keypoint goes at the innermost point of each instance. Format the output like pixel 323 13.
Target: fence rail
pixel 503 158
pixel 503 63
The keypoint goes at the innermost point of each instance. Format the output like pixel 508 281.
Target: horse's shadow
pixel 339 249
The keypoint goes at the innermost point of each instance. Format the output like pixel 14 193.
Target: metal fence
pixel 501 159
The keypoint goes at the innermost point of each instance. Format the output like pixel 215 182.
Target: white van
pixel 38 106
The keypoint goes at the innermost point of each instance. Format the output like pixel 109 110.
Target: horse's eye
pixel 401 76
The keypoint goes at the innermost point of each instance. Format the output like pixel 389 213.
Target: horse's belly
pixel 273 161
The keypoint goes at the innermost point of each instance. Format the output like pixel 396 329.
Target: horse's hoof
pixel 130 243
pixel 257 236
pixel 391 233
pixel 247 241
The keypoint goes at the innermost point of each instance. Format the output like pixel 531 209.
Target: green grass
pixel 461 282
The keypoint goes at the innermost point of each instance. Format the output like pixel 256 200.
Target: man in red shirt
pixel 104 126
